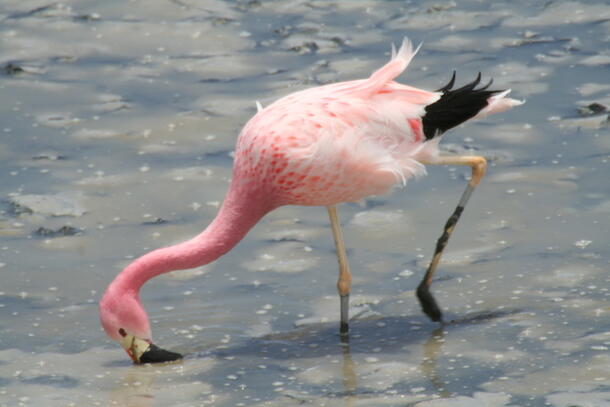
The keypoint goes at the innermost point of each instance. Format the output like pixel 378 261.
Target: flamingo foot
pixel 428 304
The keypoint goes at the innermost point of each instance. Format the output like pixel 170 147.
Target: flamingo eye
pixel 122 332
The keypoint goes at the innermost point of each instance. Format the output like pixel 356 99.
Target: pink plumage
pixel 342 142
pixel 336 143
pixel 321 146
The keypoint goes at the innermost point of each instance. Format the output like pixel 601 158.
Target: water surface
pixel 118 123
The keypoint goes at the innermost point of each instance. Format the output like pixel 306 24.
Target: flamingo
pixel 321 146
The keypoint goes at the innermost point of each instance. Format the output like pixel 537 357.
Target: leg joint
pixel 479 161
pixel 344 284
pixel 479 166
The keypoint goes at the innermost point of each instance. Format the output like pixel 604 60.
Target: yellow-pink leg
pixel 478 166
pixel 345 277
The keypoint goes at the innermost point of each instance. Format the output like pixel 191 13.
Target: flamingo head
pixel 126 322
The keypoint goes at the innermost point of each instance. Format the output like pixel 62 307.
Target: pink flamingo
pixel 318 147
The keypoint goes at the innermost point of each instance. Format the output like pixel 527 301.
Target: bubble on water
pixel 582 243
pixel 91 134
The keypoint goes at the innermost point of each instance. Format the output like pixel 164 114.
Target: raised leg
pixel 478 166
pixel 345 277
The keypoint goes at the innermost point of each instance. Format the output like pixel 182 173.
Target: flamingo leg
pixel 478 166
pixel 345 276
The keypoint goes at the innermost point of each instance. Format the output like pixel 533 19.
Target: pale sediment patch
pixel 568 12
pixel 60 204
pixel 283 257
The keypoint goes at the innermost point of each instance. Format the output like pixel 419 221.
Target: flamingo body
pixel 340 142
pixel 321 146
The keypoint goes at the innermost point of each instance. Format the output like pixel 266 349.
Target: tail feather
pixel 449 84
pixel 455 106
pixel 399 62
pixel 499 103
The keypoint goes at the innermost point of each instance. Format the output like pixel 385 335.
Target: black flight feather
pixel 455 106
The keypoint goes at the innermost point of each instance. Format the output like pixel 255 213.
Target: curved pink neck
pixel 241 210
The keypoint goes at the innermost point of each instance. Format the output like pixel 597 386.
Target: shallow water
pixel 118 122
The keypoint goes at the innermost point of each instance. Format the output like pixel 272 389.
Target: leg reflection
pixel 429 368
pixel 350 378
pixel 135 388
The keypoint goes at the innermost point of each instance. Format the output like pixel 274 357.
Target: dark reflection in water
pixel 390 335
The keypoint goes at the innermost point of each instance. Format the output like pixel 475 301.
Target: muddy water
pixel 117 124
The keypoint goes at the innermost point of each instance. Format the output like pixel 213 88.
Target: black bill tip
pixel 428 303
pixel 155 354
